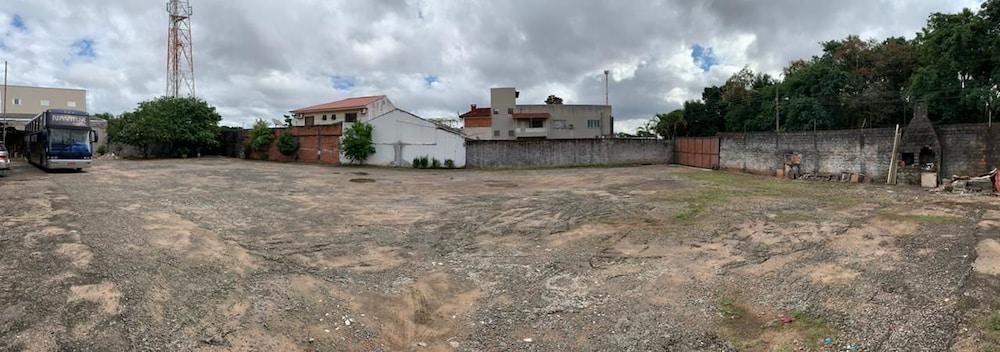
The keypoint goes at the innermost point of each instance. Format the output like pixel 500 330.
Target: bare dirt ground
pixel 231 255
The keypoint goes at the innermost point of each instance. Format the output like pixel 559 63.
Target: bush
pixel 423 162
pixel 416 163
pixel 287 144
pixel 357 142
pixel 103 149
pixel 448 163
pixel 261 136
pixel 435 164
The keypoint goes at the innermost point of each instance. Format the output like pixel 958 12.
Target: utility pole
pixel 777 109
pixel 4 112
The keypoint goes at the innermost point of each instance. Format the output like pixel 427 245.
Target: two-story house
pixel 342 111
pixel 505 119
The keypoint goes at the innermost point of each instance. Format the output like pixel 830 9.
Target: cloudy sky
pixel 261 58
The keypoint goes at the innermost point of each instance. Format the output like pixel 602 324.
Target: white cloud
pixel 259 58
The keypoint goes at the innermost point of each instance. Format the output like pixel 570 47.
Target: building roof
pixel 346 104
pixel 477 112
pixel 437 125
pixel 532 115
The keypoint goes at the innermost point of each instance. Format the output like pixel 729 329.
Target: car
pixel 4 161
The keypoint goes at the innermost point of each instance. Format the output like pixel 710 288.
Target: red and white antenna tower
pixel 180 55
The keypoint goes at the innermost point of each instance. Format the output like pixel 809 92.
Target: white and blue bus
pixel 60 139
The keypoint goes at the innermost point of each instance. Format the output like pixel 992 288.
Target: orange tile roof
pixel 346 104
pixel 477 112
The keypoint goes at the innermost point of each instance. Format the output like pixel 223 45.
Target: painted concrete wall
pixel 866 151
pixel 967 149
pixel 567 152
pixel 30 99
pixel 503 101
pixel 399 137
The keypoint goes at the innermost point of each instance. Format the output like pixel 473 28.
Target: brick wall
pixel 317 144
pixel 968 149
pixel 566 152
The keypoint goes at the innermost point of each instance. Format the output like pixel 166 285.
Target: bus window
pixel 71 141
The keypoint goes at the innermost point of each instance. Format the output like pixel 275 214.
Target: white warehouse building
pixel 400 136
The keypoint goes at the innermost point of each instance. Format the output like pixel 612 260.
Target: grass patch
pixel 924 219
pixel 991 326
pixel 698 202
pixel 719 188
pixel 729 310
pixel 812 328
pixel 806 333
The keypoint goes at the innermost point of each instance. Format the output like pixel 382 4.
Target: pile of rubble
pixel 965 184
pixel 852 177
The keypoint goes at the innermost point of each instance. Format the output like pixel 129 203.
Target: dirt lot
pixel 230 255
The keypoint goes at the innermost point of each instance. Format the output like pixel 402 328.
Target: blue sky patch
pixel 342 82
pixel 430 80
pixel 703 57
pixel 18 23
pixel 84 48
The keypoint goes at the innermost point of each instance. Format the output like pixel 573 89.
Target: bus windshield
pixel 69 141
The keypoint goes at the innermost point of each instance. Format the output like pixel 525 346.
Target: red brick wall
pixel 471 122
pixel 317 144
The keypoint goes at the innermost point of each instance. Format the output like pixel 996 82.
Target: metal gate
pixel 700 152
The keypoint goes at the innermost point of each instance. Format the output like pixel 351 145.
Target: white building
pixel 342 111
pixel 400 136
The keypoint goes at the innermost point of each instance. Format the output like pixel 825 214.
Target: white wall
pixel 401 132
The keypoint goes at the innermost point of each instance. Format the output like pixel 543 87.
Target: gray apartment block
pixel 506 120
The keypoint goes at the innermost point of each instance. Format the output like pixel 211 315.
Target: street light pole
pixel 4 106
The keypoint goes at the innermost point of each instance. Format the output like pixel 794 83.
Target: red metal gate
pixel 700 152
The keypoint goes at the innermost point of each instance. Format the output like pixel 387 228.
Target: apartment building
pixel 341 111
pixel 505 119
pixel 23 101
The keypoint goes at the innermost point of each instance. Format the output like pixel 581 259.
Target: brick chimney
pixel 472 107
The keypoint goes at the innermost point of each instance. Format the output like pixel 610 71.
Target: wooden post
pixel 893 163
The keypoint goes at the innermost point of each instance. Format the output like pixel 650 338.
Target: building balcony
pixel 531 132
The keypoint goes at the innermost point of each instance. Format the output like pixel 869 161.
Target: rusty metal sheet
pixel 700 152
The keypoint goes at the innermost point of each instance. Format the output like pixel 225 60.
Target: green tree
pixel 287 144
pixel 667 125
pixel 357 143
pixel 172 126
pixel 553 100
pixel 261 136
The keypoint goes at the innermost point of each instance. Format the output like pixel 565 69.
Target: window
pixel 495 112
pixel 559 124
pixel 71 104
pixel 351 117
pixel 310 120
pixel 510 133
pixel 496 133
pixel 536 123
pixel 333 117
pixel 510 111
pixel 45 103
pixel 593 123
pixel 17 101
